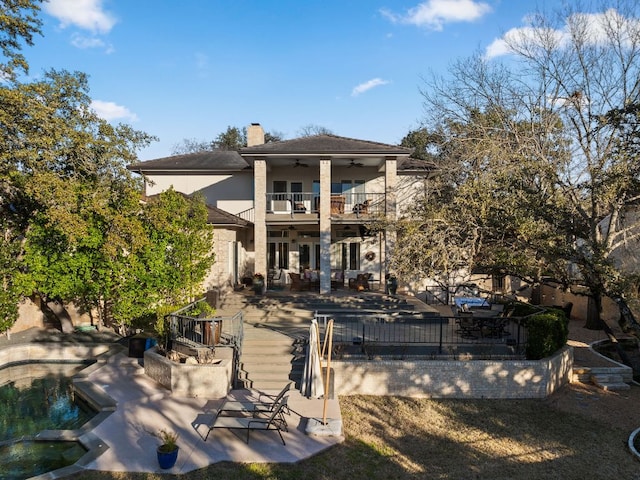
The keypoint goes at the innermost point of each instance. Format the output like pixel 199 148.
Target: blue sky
pixel 190 68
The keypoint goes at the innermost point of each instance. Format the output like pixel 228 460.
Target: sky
pixel 189 69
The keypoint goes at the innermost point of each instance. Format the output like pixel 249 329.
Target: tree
pixel 538 174
pixel 191 145
pixel 73 227
pixel 233 139
pixel 18 23
pixel 311 130
pixel 66 190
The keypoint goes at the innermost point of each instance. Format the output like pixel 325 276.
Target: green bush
pixel 547 333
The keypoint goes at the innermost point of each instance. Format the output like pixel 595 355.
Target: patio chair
pixel 298 283
pixel 264 404
pixel 361 208
pixel 275 421
pixel 467 325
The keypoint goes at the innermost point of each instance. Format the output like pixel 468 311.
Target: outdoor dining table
pixel 471 302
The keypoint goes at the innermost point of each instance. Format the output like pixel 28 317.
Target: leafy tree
pixel 18 23
pixel 73 227
pixel 539 152
pixel 180 245
pixel 233 138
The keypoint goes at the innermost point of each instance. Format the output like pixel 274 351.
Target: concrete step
pixel 610 383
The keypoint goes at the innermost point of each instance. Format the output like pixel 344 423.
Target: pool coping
pixel 94 395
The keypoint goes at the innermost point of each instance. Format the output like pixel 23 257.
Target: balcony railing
pixel 358 204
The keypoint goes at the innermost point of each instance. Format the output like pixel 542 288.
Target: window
pixel 278 255
pixel 283 255
pixel 354 256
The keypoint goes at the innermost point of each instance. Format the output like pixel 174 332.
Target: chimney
pixel 255 135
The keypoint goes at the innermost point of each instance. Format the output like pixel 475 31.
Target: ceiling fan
pixel 355 164
pixel 298 164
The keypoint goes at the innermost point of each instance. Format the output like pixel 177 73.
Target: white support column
pixel 391 181
pixel 260 216
pixel 325 225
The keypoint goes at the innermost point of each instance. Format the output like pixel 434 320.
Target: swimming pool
pixel 35 397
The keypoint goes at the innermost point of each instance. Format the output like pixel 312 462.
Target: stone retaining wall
pixel 52 352
pixel 212 380
pixel 454 378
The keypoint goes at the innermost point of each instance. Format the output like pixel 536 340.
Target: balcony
pixel 304 206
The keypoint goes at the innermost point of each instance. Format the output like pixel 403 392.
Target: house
pixel 295 206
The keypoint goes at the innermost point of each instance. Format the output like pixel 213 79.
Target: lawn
pixel 397 438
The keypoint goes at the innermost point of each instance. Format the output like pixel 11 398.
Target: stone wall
pixel 211 380
pixel 454 378
pixel 31 352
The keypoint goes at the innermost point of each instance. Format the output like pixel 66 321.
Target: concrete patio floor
pixel 145 407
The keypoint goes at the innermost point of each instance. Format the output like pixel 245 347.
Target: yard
pixel 579 432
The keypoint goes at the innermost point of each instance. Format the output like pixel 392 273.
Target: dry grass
pixel 568 436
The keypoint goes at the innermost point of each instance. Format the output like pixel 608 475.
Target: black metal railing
pixel 440 333
pixel 207 332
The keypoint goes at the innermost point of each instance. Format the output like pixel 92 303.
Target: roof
pixel 416 165
pixel 325 145
pixel 217 216
pixel 215 160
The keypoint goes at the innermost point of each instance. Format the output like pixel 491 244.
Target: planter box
pixel 210 380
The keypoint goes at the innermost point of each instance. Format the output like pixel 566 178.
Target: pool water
pixel 36 397
pixel 27 459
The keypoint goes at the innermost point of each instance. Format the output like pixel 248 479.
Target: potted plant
pixel 168 450
pixel 258 283
pixel 392 283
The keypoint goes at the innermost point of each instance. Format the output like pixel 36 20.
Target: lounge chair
pixel 264 404
pixel 275 421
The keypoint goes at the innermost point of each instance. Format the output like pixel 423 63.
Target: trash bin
pixel 136 346
pixel 139 343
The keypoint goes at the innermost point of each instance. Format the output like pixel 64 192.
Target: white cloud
pixel 111 111
pixel 80 41
pixel 433 14
pixel 363 87
pixel 595 24
pixel 85 14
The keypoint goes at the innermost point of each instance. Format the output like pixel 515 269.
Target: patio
pixel 144 408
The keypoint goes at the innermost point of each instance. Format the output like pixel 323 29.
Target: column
pixel 325 225
pixel 390 182
pixel 260 217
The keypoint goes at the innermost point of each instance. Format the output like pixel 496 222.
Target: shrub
pixel 547 333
